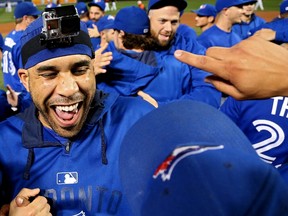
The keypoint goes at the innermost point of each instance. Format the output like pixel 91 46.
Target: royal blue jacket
pixel 243 28
pixel 264 122
pixel 80 175
pixel 12 61
pixel 215 36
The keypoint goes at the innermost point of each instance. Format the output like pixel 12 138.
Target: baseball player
pixel 249 20
pixel 205 16
pixel 105 28
pixel 24 13
pixel 221 34
pixel 82 10
pixel 96 11
pixel 264 122
pixel 70 130
pixel 164 22
pixel 260 5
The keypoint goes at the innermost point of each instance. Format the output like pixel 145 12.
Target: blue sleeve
pixel 231 108
pixel 282 36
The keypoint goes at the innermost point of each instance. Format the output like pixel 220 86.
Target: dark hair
pixel 133 41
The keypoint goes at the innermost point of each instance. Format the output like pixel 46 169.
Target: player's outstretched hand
pixel 102 59
pixel 22 206
pixel 254 68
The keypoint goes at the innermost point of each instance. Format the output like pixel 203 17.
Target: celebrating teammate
pixel 70 130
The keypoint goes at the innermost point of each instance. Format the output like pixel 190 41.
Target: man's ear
pixel 23 75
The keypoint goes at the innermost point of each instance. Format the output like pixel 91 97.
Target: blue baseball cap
pixel 284 7
pixel 188 158
pixel 133 20
pixel 34 52
pixel 25 8
pixel 51 5
pixel 81 8
pixel 105 22
pixel 206 10
pixel 97 3
pixel 156 4
pixel 221 4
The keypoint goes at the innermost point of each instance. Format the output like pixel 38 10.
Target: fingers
pixel 102 59
pixel 40 204
pixel 22 206
pixel 148 98
pixel 206 63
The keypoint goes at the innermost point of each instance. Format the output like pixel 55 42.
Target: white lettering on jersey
pixel 9 42
pixel 284 106
pixel 276 139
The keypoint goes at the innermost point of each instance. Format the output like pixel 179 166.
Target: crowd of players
pixel 134 57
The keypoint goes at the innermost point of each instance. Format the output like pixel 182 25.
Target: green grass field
pixel 270 5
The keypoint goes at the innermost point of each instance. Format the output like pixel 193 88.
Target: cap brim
pixel 180 4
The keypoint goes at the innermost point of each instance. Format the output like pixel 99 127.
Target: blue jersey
pixel 186 31
pixel 243 28
pixel 81 174
pixel 279 26
pixel 264 122
pixel 214 36
pixel 11 61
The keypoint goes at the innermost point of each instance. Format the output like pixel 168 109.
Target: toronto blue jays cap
pixel 156 4
pixel 206 10
pixel 81 8
pixel 133 20
pixel 187 158
pixel 25 8
pixel 97 3
pixel 34 51
pixel 105 22
pixel 221 4
pixel 284 7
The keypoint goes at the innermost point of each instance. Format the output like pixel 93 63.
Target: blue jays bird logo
pixel 166 167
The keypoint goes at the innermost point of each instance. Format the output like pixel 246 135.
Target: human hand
pixel 102 59
pixel 12 96
pixel 93 32
pixel 254 68
pixel 148 98
pixel 22 206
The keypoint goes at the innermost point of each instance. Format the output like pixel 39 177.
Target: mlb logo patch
pixel 67 178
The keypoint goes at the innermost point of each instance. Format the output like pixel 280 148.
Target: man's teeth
pixel 68 108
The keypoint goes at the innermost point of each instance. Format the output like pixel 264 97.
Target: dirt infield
pixel 187 18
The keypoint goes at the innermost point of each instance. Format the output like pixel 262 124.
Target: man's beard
pixel 162 45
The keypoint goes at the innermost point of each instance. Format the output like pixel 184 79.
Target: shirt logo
pixel 67 178
pixel 82 213
pixel 167 166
